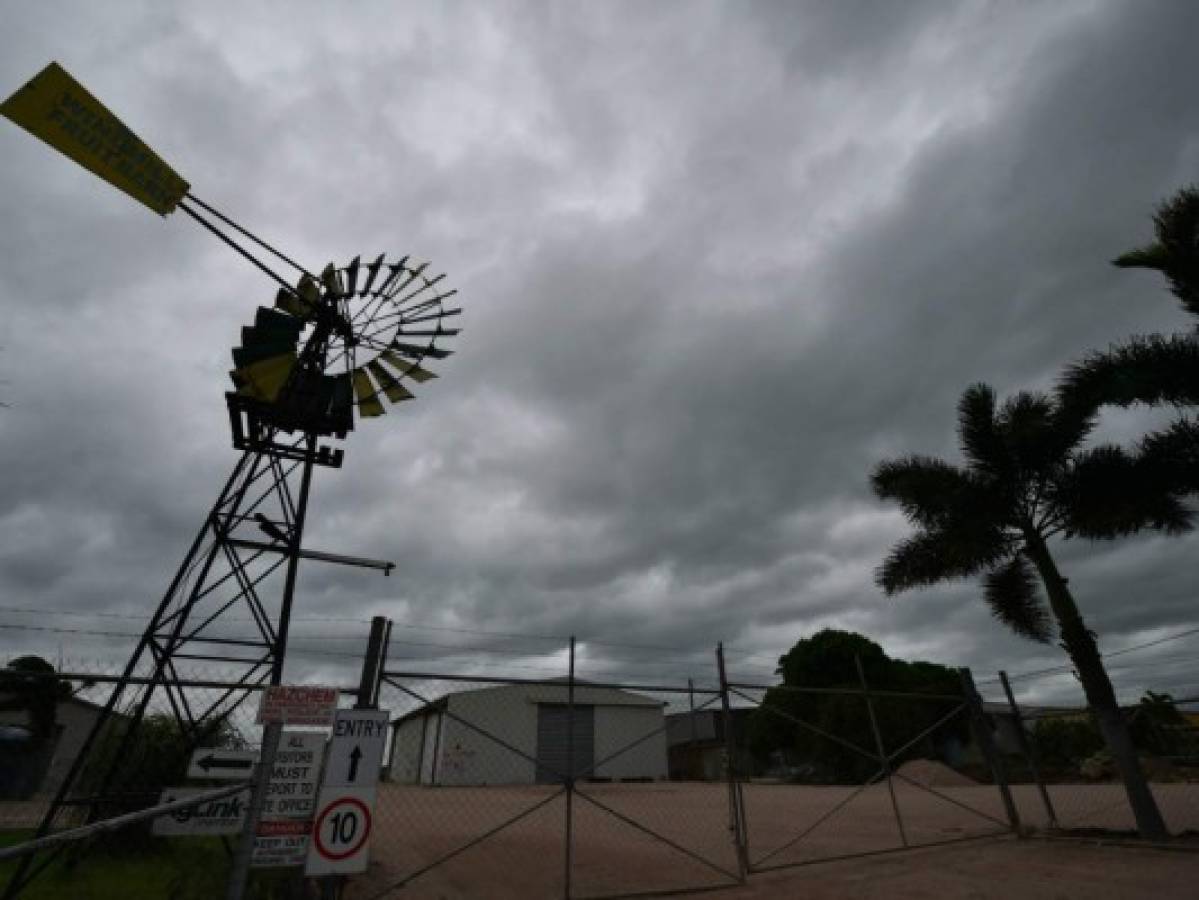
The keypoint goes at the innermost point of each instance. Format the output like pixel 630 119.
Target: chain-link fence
pixel 504 785
pixel 1062 775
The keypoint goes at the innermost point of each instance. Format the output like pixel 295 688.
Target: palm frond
pixel 1034 438
pixel 1152 369
pixel 1012 592
pixel 1108 492
pixel 1176 251
pixel 928 490
pixel 1173 454
pixel 931 556
pixel 980 439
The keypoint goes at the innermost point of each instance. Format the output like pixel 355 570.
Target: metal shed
pixel 525 734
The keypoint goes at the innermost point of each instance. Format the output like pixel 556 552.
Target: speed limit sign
pixel 341 832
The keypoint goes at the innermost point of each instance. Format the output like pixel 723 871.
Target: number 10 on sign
pixel 341 833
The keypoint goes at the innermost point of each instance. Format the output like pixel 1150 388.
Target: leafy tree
pixel 828 659
pixel 1027 479
pixel 28 683
pixel 1156 369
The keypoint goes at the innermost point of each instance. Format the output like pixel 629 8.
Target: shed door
pixel 553 741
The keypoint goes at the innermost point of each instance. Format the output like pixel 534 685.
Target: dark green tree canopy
pixel 28 683
pixel 827 659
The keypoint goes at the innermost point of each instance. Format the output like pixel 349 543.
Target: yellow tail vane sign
pixel 63 113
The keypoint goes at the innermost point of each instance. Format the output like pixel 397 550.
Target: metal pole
pixel 736 809
pixel 372 664
pixel 570 770
pixel 691 751
pixel 1029 750
pixel 240 870
pixel 882 750
pixel 987 746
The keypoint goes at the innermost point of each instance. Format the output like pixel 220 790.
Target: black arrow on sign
pixel 214 762
pixel 355 755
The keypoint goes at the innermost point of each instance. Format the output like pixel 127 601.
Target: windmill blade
pixel 425 332
pixel 371 271
pixel 368 399
pixel 331 279
pixel 407 368
pixel 302 302
pixel 257 351
pixel 440 314
pixel 393 274
pixel 264 379
pixel 395 391
pixel 412 274
pixel 352 274
pixel 272 324
pixel 418 352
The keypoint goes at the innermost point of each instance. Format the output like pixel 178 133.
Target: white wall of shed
pixel 470 758
pixel 405 751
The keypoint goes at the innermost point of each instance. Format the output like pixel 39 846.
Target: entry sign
pixel 341 833
pixel 223 816
pixel 227 765
pixel 281 838
pixel 297 704
pixel 356 751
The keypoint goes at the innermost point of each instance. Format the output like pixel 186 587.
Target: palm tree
pixel 1155 369
pixel 1028 480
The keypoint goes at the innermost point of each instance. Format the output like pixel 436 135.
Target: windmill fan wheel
pixel 342 342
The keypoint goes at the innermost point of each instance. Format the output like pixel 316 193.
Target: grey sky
pixel 718 260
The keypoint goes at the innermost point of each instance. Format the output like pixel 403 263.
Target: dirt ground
pixel 613 853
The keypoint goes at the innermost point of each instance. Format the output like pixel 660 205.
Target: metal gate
pixel 868 801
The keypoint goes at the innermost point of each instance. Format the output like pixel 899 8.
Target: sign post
pixel 341 833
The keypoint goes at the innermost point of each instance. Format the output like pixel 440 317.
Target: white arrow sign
pixel 228 765
pixel 356 751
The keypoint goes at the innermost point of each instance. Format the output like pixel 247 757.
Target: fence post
pixel 736 805
pixel 983 735
pixel 691 754
pixel 1029 750
pixel 882 750
pixel 570 770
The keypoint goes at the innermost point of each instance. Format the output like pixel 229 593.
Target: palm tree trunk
pixel 1101 697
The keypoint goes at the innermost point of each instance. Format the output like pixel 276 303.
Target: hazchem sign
pixel 297 704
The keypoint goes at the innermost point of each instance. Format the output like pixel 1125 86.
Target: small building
pixel 25 768
pixel 523 734
pixel 697 745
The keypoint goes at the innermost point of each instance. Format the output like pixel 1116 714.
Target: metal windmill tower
pixel 326 351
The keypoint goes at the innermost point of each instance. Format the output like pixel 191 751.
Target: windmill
pixel 324 353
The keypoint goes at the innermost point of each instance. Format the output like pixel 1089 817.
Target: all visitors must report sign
pixel 281 835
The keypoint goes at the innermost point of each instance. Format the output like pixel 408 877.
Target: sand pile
pixel 931 773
